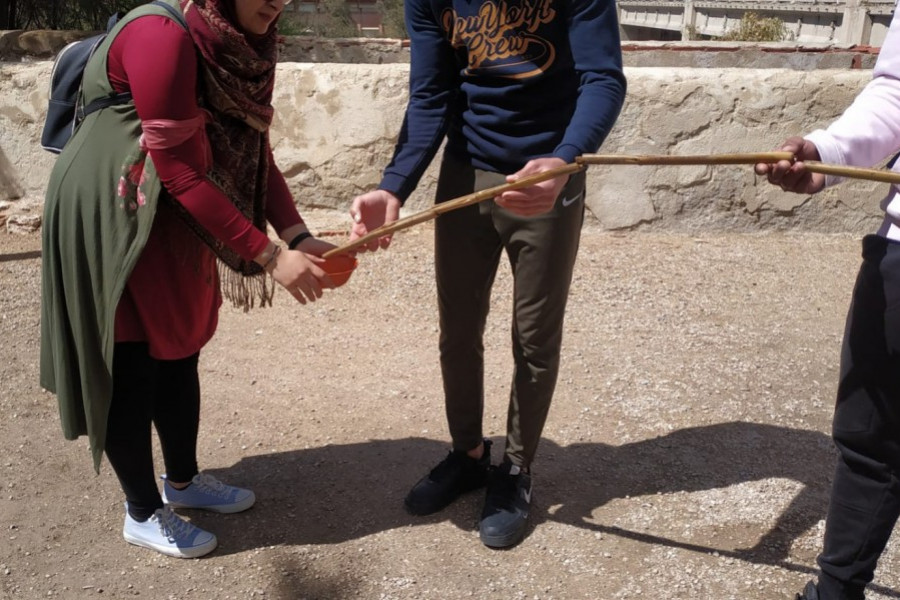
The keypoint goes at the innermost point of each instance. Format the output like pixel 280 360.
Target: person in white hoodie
pixel 865 497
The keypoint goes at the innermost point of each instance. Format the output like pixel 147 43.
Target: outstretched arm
pixel 594 39
pixel 866 133
pixel 791 176
pixel 433 83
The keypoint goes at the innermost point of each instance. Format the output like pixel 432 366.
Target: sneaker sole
pixel 502 541
pixel 217 508
pixel 195 552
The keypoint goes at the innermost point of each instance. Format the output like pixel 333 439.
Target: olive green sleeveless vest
pixel 91 243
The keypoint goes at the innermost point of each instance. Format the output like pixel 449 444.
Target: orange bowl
pixel 339 268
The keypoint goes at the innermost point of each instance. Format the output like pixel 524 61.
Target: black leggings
pixel 165 393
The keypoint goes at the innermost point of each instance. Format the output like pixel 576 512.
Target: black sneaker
pixel 506 506
pixel 455 475
pixel 810 592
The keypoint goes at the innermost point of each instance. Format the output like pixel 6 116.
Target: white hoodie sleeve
pixel 869 129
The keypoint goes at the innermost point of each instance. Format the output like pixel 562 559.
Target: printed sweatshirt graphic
pixel 507 81
pixel 501 40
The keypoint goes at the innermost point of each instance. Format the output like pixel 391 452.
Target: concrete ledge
pixel 725 55
pixel 344 50
pixel 43 45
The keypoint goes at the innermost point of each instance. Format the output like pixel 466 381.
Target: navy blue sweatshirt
pixel 507 81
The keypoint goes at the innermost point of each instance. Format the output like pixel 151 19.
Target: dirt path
pixel 686 455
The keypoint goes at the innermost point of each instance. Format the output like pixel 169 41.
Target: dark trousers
pixel 865 500
pixel 541 252
pixel 164 393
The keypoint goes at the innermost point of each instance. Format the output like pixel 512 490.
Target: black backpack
pixel 64 111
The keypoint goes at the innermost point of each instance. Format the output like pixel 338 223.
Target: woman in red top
pixel 203 96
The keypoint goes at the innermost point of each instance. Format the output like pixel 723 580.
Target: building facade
pixel 848 22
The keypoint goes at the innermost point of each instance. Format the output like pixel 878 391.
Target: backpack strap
pixel 91 102
pixel 113 20
pixel 80 110
pixel 176 14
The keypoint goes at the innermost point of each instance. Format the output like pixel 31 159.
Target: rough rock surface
pixel 336 125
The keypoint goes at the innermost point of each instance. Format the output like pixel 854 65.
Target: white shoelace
pixel 172 526
pixel 211 485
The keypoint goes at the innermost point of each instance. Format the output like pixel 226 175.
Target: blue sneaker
pixel 168 534
pixel 208 493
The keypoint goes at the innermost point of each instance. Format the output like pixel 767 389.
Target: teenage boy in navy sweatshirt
pixel 517 87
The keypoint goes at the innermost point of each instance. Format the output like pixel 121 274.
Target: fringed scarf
pixel 237 77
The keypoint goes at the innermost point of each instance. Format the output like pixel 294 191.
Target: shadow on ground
pixel 332 494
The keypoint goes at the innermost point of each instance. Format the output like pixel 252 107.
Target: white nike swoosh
pixel 527 494
pixel 569 201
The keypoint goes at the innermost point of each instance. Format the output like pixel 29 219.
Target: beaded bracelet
pixel 271 259
pixel 298 239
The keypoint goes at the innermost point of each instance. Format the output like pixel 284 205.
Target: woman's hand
pixel 297 272
pixel 369 212
pixel 301 275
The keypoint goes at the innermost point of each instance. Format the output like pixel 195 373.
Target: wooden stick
pixel 853 172
pixel 882 175
pixel 695 159
pixel 443 207
pixel 613 159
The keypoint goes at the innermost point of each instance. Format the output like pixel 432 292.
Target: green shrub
pixel 330 19
pixel 754 28
pixel 392 18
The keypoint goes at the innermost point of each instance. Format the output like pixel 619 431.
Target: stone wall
pixel 336 124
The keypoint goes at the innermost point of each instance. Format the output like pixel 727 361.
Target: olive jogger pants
pixel 541 251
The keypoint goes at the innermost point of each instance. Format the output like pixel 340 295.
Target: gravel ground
pixel 686 455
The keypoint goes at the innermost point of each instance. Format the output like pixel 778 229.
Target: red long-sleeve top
pixel 172 297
